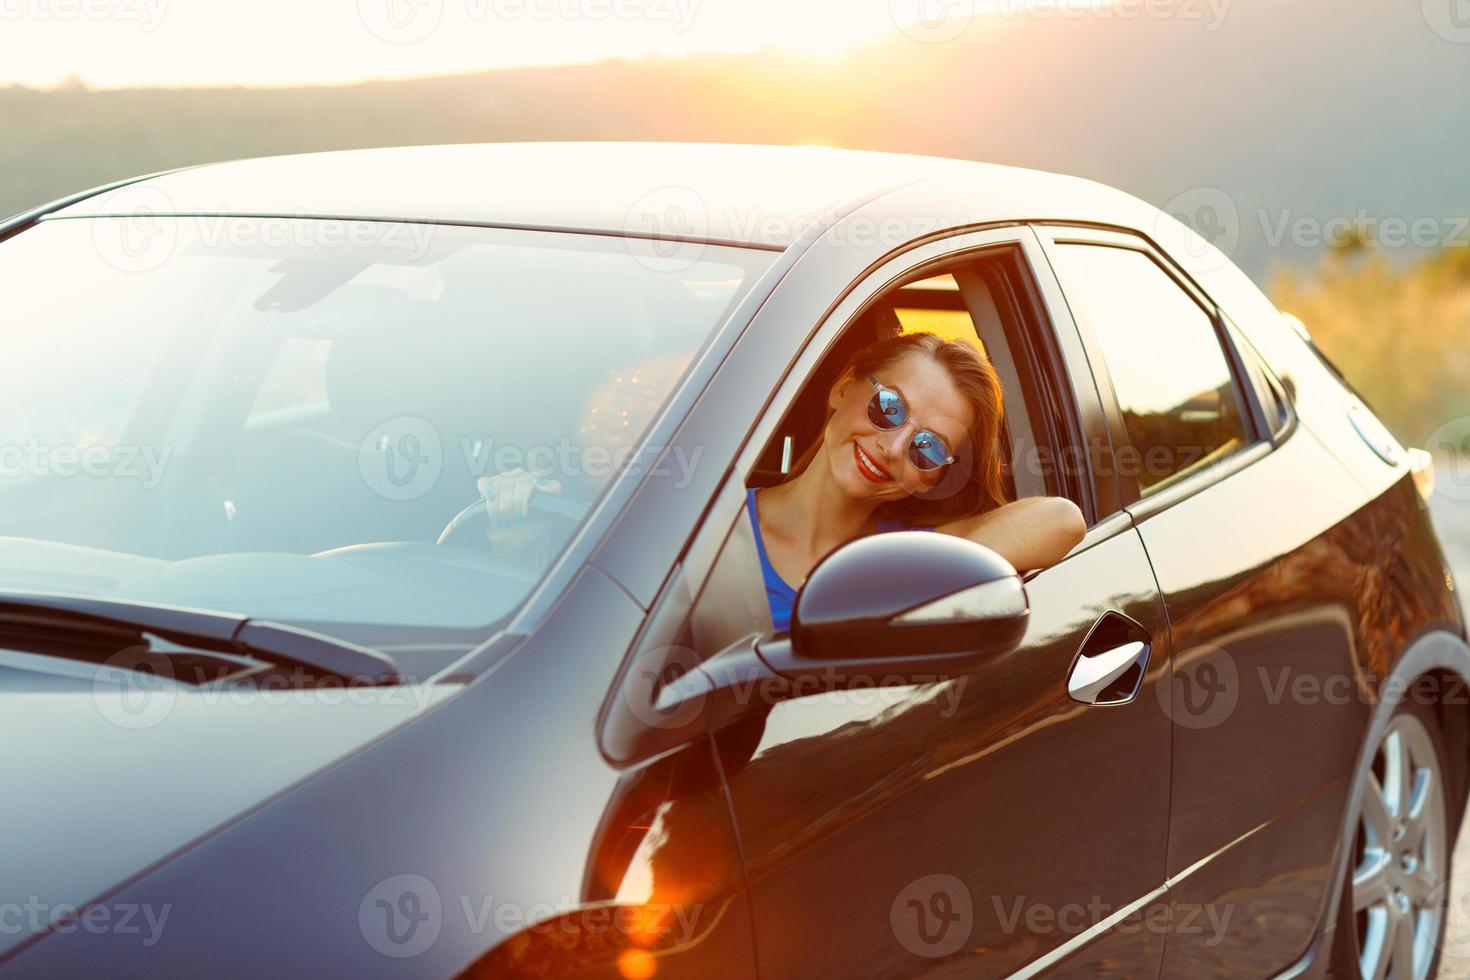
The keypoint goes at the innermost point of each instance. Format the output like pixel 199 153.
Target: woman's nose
pixel 891 443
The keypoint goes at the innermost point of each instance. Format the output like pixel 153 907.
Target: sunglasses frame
pixel 878 389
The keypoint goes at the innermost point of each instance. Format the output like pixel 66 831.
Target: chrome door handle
pixel 1104 678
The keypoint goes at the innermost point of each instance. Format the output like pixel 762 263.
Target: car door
pixel 990 824
pixel 1239 512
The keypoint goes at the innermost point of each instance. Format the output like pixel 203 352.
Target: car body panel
pixel 123 778
pixel 495 823
pixel 1254 617
pixel 753 195
pixel 902 799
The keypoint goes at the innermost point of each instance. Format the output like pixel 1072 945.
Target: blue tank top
pixel 779 595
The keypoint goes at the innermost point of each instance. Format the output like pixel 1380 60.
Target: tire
pixel 1394 910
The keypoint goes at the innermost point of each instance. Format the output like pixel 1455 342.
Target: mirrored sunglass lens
pixel 886 410
pixel 928 451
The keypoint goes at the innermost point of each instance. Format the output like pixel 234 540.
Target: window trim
pixel 1243 379
pixel 1266 384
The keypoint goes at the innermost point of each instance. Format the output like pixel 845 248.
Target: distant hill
pixel 1310 109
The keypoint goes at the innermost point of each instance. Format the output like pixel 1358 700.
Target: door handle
pixel 1112 676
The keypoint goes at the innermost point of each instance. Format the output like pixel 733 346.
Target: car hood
pixel 104 780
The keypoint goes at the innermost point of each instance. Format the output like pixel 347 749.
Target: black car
pixel 280 703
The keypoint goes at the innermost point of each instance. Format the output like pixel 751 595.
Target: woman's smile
pixel 869 467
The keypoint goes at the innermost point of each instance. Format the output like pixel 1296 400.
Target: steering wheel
pixel 471 525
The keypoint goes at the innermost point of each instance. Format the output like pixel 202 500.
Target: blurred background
pixel 1323 144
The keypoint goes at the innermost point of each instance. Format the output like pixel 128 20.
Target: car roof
pixel 767 196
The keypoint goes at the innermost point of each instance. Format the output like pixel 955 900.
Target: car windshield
pixel 280 417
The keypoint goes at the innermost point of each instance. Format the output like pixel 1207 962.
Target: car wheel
pixel 1393 912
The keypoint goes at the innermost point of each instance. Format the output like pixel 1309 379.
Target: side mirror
pixel 915 600
pixel 908 607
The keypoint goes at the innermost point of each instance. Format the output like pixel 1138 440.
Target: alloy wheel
pixel 1401 856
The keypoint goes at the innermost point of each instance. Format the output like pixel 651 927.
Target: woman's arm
pixel 1033 532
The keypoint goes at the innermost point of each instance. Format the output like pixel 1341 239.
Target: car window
pixel 286 421
pixel 296 382
pixel 934 305
pixel 961 305
pixel 1170 375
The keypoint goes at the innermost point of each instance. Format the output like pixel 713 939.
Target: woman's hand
pixel 508 495
pixel 1033 532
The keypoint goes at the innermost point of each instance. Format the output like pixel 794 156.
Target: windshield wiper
pixel 80 616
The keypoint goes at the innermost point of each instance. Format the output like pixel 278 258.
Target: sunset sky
pixel 113 43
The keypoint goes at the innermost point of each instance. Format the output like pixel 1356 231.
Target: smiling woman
pixel 912 441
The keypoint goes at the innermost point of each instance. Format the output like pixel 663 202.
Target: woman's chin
pixel 859 487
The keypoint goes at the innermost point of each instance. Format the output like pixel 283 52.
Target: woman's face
pixel 872 463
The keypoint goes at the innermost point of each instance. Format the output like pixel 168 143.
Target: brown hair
pixel 973 483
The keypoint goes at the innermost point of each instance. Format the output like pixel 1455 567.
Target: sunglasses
pixel 887 411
